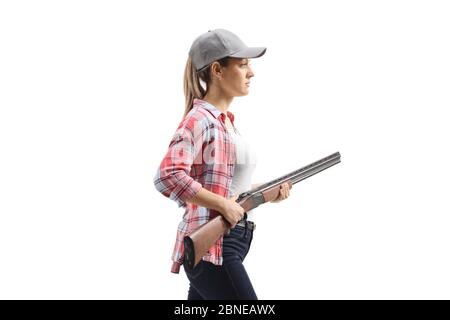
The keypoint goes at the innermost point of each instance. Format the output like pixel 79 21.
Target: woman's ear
pixel 216 70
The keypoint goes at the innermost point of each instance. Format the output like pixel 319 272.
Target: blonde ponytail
pixel 192 86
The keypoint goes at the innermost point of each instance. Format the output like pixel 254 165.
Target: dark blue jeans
pixel 229 281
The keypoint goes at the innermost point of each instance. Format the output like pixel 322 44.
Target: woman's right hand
pixel 232 211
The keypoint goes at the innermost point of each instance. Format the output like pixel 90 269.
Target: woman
pixel 207 164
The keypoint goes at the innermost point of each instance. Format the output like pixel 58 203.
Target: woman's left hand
pixel 284 193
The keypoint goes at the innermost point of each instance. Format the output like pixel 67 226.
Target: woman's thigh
pixel 239 278
pixel 229 281
pixel 211 282
pixel 193 293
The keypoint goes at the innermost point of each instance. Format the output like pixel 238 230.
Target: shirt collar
pixel 213 110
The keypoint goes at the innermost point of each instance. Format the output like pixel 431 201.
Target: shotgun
pixel 197 243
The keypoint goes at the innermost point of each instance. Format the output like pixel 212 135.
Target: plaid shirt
pixel 200 154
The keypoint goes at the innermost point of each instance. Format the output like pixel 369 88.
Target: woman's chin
pixel 245 92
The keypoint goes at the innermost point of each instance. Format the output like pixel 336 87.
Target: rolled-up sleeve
pixel 172 178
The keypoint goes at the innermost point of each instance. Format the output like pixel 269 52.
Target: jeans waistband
pixel 250 225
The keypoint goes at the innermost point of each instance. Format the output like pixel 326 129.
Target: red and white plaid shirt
pixel 200 154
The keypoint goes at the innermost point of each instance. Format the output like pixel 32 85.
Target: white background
pixel 91 93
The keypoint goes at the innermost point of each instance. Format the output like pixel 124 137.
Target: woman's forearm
pixel 211 200
pixel 208 199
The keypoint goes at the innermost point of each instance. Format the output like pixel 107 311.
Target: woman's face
pixel 236 76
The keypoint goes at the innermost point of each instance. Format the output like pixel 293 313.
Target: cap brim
pixel 251 52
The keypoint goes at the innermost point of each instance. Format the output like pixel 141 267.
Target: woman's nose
pixel 250 72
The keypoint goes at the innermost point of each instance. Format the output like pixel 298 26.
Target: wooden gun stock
pixel 199 241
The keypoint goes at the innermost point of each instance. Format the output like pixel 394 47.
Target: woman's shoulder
pixel 198 118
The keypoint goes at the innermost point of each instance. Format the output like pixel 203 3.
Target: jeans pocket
pixel 237 232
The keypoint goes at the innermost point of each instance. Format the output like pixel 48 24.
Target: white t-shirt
pixel 246 159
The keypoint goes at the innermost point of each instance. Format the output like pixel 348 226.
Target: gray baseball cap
pixel 220 43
